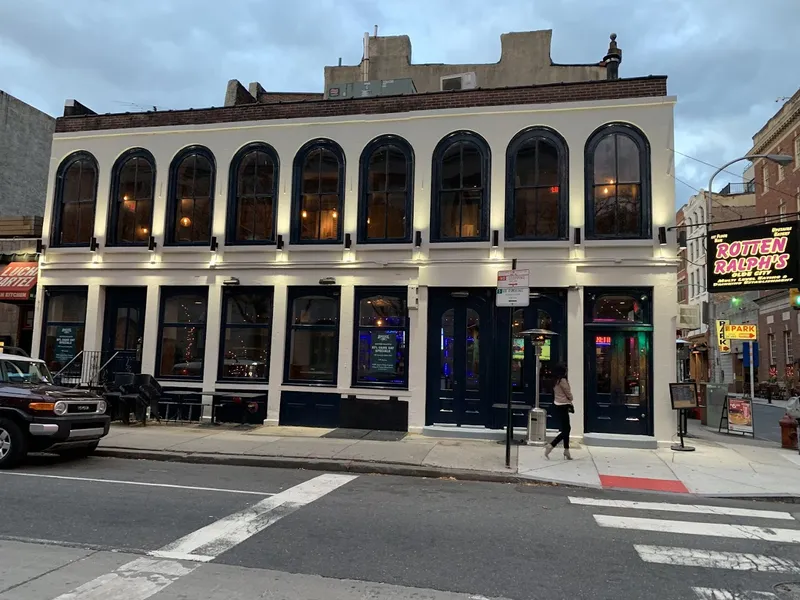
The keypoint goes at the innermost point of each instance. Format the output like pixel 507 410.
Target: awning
pixel 17 279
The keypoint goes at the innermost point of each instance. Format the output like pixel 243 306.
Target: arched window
pixel 133 182
pixel 318 195
pixel 192 176
pixel 253 195
pixel 460 203
pixel 537 198
pixel 75 200
pixel 618 201
pixel 386 191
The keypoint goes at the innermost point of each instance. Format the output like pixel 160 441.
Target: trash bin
pixel 537 426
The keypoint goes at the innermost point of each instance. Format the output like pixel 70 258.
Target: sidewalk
pixel 721 465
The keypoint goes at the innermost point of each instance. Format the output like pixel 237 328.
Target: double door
pixel 618 382
pixel 460 350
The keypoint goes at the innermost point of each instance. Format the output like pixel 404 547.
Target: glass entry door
pixel 618 382
pixel 124 327
pixel 459 351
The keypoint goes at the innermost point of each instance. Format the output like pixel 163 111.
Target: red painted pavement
pixel 643 483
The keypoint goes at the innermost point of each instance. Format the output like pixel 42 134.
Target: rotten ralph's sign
pixel 759 257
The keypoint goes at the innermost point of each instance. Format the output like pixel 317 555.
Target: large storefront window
pixel 381 343
pixel 246 333
pixel 182 333
pixel 64 326
pixel 619 361
pixel 313 339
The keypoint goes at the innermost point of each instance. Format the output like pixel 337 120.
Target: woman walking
pixel 562 406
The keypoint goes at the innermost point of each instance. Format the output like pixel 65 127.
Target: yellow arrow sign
pixel 722 339
pixel 741 332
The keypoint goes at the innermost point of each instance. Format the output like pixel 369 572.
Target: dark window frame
pixel 172 200
pixel 369 150
pixel 165 293
pixel 361 293
pixel 297 191
pixel 436 186
pixel 49 291
pixel 266 290
pixel 295 292
pixel 546 134
pixel 113 198
pixel 638 137
pixel 58 198
pixel 594 294
pixel 232 217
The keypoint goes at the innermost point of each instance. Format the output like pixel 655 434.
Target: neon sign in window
pixel 602 340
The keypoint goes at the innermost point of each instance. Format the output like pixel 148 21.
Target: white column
pixel 38 322
pixel 346 322
pixel 575 359
pixel 151 333
pixel 663 352
pixel 93 332
pixel 418 362
pixel 211 356
pixel 277 352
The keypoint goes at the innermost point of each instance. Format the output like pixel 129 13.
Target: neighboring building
pixel 322 249
pixel 778 188
pixel 25 138
pixel 777 191
pixel 736 201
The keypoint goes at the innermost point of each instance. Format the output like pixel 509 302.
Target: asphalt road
pixel 128 530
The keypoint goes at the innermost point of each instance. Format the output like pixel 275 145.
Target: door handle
pixel 643 415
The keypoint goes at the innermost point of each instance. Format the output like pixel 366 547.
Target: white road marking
pixel 136 580
pixel 209 542
pixel 715 594
pixel 745 532
pixel 140 483
pixel 687 508
pixel 712 559
pixel 145 577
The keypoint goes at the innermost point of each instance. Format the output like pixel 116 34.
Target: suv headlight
pixel 60 408
pixel 101 407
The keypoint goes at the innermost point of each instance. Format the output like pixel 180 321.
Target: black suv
pixel 36 415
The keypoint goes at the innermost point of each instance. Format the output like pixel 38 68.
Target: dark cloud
pixel 727 60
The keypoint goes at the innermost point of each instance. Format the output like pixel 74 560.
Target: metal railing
pixel 93 368
pixel 731 189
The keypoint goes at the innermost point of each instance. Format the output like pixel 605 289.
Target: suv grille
pixel 85 408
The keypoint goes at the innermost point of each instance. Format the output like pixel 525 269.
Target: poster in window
pixel 683 395
pixel 66 342
pixel 384 352
pixel 740 415
pixel 518 350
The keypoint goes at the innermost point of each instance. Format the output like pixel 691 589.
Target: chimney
pixel 613 58
pixel 73 108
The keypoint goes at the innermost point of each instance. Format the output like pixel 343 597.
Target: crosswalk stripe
pixel 713 559
pixel 716 594
pixel 687 508
pixel 746 532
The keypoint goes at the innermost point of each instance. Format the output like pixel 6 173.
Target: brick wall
pixel 642 87
pixel 775 321
pixel 783 185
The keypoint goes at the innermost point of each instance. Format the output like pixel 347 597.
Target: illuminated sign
pixel 758 257
pixel 741 332
pixel 602 340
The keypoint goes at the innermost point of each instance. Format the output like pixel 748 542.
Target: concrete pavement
pixel 721 465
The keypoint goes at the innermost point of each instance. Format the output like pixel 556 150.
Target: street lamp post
pixel 781 159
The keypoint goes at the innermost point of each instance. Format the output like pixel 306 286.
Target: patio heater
pixel 537 417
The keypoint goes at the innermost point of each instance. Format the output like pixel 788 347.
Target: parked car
pixel 36 415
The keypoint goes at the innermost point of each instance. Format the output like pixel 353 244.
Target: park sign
pixel 758 257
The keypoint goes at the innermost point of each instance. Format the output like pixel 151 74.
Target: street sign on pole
pixel 513 288
pixel 722 338
pixel 735 331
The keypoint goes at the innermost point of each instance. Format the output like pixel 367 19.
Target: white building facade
pixel 316 251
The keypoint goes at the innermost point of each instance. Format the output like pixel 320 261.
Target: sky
pixel 728 61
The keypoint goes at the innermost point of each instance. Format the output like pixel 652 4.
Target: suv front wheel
pixel 12 444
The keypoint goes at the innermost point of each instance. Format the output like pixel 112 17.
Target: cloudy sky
pixel 728 61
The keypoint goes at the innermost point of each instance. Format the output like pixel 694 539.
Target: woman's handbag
pixel 570 408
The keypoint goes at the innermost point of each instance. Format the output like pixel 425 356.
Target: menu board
pixel 683 395
pixel 384 352
pixel 740 415
pixel 66 343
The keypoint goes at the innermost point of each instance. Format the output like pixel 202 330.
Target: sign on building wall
pixel 758 257
pixel 17 279
pixel 512 288
pixel 384 352
pixel 734 331
pixel 688 316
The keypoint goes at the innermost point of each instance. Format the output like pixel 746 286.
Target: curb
pixel 322 464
